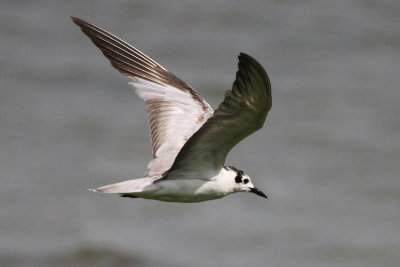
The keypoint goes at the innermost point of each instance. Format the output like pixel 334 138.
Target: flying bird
pixel 190 140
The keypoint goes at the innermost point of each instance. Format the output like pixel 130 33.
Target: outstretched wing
pixel 242 112
pixel 175 110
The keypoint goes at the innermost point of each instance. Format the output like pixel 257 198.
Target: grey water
pixel 328 156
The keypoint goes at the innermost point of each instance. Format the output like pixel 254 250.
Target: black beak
pixel 257 191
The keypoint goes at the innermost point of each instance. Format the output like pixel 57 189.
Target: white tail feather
pixel 131 186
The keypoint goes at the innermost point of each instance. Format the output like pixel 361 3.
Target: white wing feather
pixel 175 109
pixel 173 116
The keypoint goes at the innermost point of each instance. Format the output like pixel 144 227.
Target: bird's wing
pixel 242 112
pixel 175 109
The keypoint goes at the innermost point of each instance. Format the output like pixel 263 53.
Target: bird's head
pixel 242 182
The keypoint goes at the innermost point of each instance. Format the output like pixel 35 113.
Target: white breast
pixel 191 190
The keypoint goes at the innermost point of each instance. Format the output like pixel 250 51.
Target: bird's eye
pixel 245 181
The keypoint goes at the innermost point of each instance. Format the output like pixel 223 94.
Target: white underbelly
pixel 183 191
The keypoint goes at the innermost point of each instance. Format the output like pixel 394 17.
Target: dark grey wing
pixel 242 112
pixel 175 110
pixel 130 61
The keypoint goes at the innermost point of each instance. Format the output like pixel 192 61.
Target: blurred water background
pixel 328 158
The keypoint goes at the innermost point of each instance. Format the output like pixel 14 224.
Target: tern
pixel 190 140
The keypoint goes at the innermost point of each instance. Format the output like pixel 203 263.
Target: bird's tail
pixel 131 186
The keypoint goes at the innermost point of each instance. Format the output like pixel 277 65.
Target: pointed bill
pixel 258 192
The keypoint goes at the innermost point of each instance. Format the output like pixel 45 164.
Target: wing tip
pixel 246 57
pixel 249 60
pixel 246 60
pixel 77 20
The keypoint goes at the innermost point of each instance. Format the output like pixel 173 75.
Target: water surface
pixel 328 157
